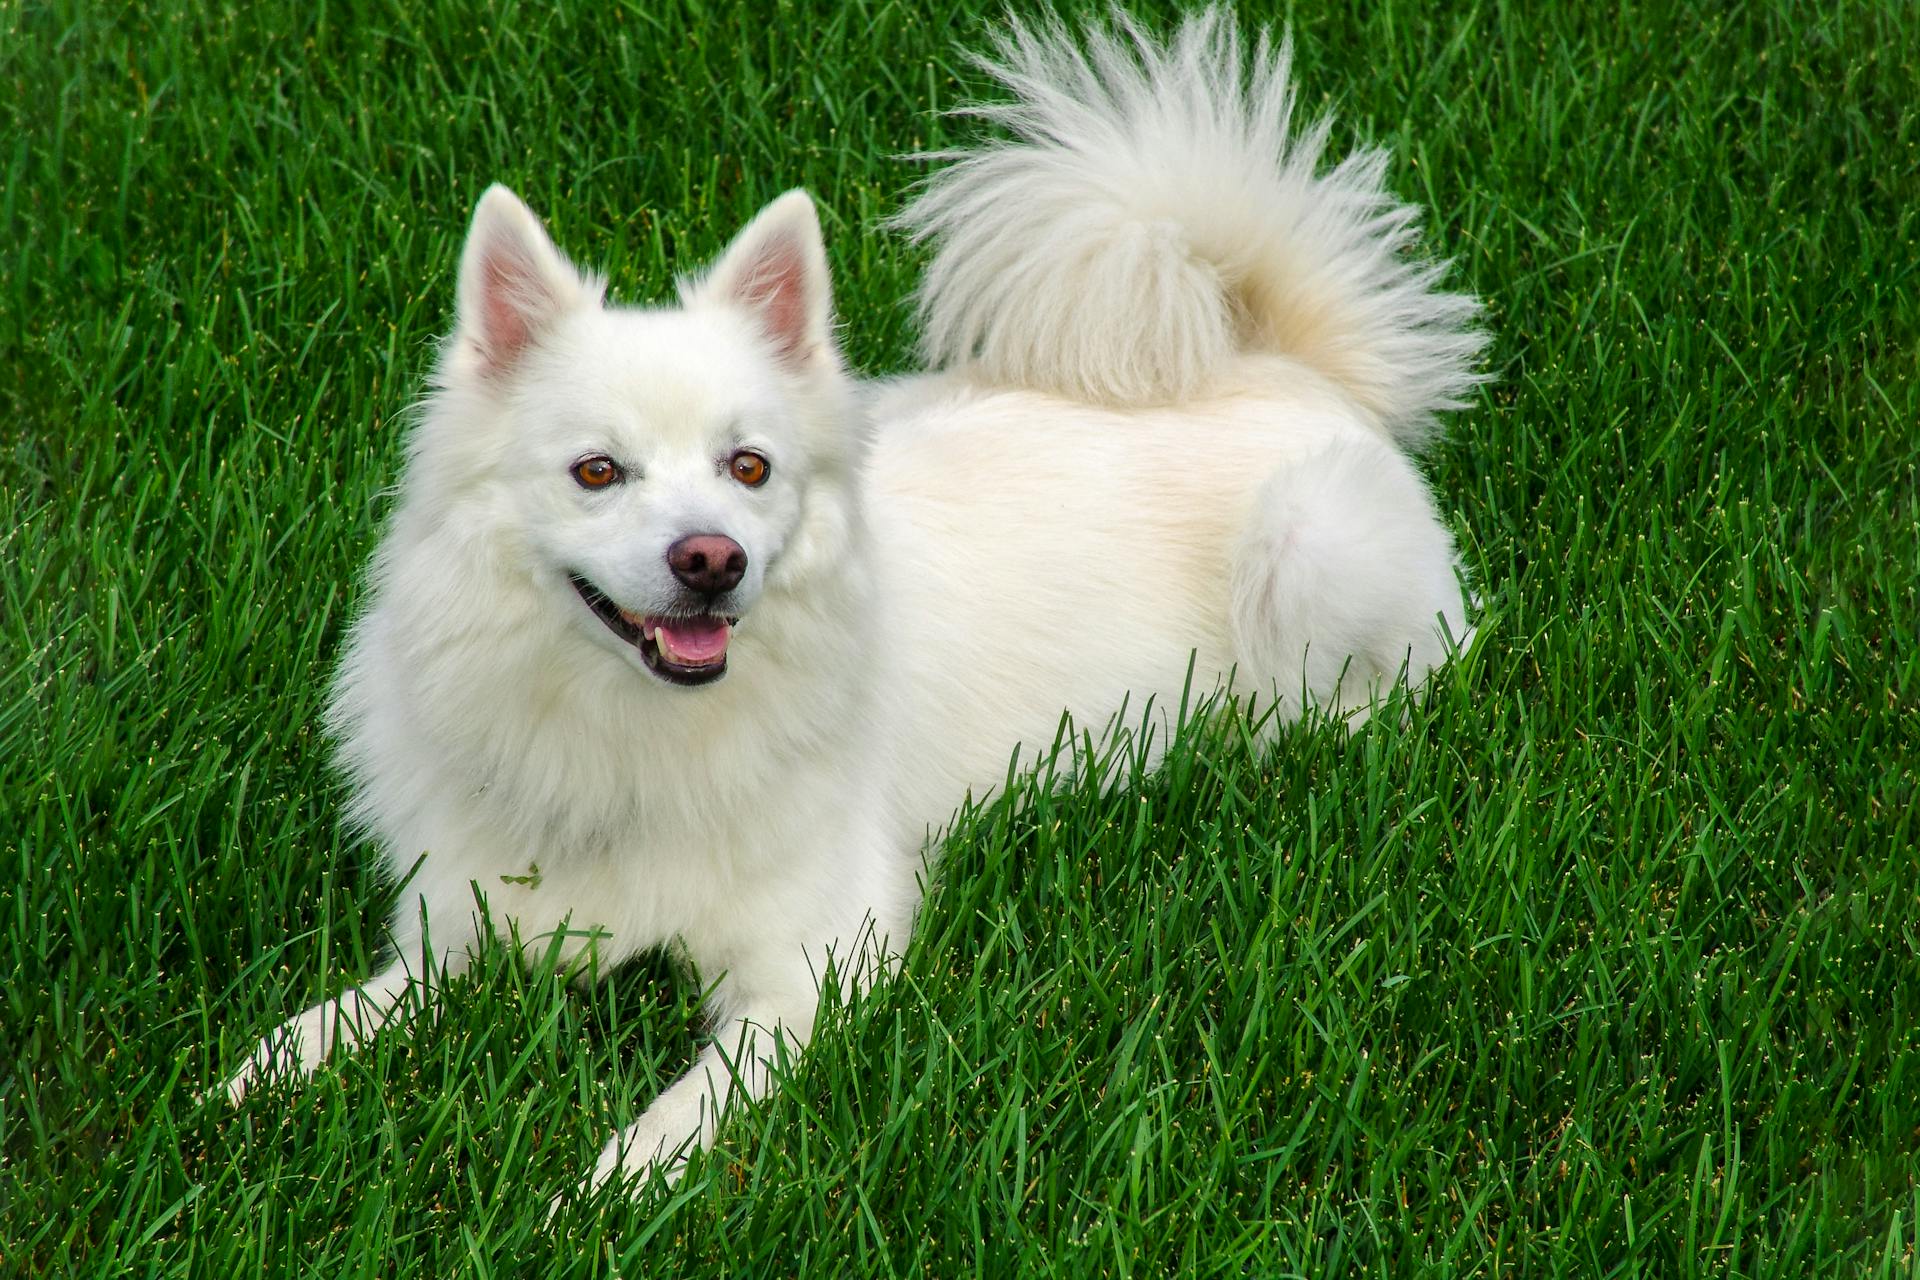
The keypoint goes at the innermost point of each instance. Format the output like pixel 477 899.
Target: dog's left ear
pixel 776 270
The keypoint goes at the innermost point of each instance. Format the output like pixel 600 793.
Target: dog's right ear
pixel 776 272
pixel 513 282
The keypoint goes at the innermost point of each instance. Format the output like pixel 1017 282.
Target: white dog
pixel 679 634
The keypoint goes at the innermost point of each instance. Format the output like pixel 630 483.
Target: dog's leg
pixel 435 928
pixel 1344 579
pixel 769 997
pixel 735 1067
pixel 419 970
pixel 299 1045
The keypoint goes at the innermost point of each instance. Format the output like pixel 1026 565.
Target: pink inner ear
pixel 507 301
pixel 775 286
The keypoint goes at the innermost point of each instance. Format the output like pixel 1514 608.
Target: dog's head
pixel 658 469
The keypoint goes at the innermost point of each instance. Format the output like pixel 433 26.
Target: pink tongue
pixel 693 639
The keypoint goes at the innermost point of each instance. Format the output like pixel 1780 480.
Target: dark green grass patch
pixel 1602 963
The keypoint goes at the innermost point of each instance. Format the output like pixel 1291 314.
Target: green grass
pixel 1606 963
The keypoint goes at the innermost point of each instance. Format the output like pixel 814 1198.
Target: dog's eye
pixel 749 468
pixel 597 472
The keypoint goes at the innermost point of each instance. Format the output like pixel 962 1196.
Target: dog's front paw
pixel 643 1151
pixel 295 1048
pixel 638 1156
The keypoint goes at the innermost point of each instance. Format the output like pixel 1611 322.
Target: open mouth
pixel 680 649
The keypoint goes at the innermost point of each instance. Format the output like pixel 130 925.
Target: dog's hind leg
pixel 1344 581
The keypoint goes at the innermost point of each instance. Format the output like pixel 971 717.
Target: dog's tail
pixel 1154 214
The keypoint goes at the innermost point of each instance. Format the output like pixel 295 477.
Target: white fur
pixel 1183 369
pixel 1156 215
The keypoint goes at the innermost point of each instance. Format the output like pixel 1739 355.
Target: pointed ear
pixel 513 282
pixel 776 270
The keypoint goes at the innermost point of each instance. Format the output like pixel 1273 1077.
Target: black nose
pixel 708 562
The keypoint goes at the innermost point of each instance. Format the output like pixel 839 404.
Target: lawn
pixel 1604 962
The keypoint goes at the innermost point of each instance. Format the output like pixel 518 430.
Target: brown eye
pixel 749 468
pixel 596 472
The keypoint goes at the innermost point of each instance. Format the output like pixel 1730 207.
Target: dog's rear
pixel 1154 230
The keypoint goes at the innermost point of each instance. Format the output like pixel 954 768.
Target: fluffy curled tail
pixel 1153 213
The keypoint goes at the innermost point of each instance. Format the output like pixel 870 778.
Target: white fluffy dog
pixel 678 634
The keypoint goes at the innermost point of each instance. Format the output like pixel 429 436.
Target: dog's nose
pixel 708 562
